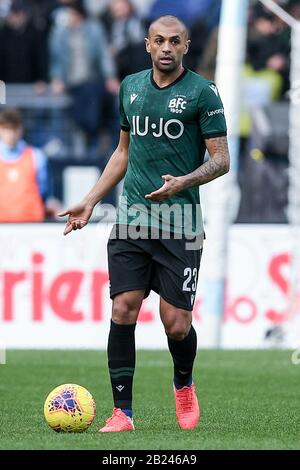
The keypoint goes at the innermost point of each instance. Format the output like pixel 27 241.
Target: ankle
pixel 179 386
pixel 128 412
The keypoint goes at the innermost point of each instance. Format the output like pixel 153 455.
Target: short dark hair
pixel 11 118
pixel 167 19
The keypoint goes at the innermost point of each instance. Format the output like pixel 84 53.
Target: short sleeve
pixel 211 113
pixel 125 126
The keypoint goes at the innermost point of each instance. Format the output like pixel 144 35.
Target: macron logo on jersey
pixel 133 97
pixel 214 89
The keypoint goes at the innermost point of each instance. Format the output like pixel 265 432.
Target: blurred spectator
pixel 4 8
pixel 187 11
pixel 23 51
pixel 80 63
pixel 264 182
pixel 95 7
pixel 126 34
pixel 269 44
pixel 60 12
pixel 23 174
pixel 266 73
pixel 169 7
pixel 41 13
pixel 207 61
pixel 199 34
pixel 263 171
pixel 204 20
pixel 142 7
pixel 205 11
pixel 293 8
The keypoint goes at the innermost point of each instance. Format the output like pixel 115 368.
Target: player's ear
pixel 187 46
pixel 147 44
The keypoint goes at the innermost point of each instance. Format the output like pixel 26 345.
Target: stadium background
pixel 54 290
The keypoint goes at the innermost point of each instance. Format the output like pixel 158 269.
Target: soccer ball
pixel 69 408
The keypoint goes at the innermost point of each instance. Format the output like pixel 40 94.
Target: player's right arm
pixel 114 172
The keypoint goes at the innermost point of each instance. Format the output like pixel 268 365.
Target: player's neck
pixel 164 79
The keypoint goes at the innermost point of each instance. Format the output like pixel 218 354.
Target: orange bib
pixel 20 199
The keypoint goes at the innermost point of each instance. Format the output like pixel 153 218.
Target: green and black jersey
pixel 167 130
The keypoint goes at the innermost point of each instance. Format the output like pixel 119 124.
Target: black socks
pixel 183 354
pixel 121 363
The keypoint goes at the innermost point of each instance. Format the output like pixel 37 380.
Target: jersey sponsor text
pixel 163 127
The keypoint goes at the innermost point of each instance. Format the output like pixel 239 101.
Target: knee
pixel 177 332
pixel 177 323
pixel 123 312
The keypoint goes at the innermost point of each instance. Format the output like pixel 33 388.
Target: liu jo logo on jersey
pixel 177 105
pixel 173 128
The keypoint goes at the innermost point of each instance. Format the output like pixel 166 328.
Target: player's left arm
pixel 217 165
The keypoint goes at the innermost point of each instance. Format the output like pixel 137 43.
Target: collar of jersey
pixel 171 84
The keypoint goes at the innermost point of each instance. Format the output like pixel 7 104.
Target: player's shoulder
pixel 201 82
pixel 137 77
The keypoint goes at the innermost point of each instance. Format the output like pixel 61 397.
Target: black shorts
pixel 165 266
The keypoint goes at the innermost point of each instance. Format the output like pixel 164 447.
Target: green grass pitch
pixel 249 400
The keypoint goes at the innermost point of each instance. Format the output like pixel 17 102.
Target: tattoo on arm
pixel 217 165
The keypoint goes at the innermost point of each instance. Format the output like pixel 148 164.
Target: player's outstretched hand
pixel 171 186
pixel 78 217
